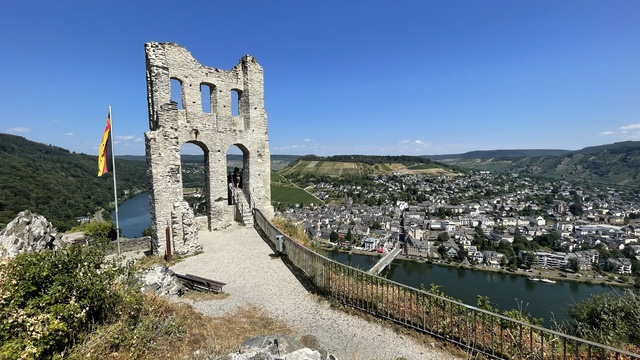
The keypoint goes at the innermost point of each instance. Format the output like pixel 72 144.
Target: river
pixel 134 215
pixel 506 291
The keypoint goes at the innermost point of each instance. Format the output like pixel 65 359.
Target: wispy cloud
pixel 625 132
pixel 310 146
pixel 68 134
pixel 125 137
pixel 19 130
pixel 128 138
pixel 630 127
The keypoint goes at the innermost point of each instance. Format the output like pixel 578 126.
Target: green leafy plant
pixel 609 318
pixel 51 299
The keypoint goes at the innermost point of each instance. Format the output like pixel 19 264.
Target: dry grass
pixel 177 331
pixel 204 295
pixel 294 231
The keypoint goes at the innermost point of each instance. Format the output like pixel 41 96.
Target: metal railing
pixel 477 330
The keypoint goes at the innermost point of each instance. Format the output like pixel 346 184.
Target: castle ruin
pixel 213 127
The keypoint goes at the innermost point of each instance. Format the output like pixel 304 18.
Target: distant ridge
pixel 613 164
pixel 485 154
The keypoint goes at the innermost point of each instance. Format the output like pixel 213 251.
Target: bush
pixel 51 299
pixel 100 233
pixel 609 318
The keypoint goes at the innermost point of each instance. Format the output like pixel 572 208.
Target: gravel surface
pixel 239 257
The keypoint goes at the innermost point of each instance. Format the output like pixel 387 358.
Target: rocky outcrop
pixel 160 280
pixel 272 347
pixel 28 232
pixel 78 237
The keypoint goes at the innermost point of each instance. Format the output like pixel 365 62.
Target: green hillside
pixel 57 183
pixel 363 165
pixel 500 154
pixel 617 163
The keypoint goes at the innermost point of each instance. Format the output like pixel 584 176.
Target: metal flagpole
pixel 115 190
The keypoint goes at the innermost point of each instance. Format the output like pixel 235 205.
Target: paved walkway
pixel 240 258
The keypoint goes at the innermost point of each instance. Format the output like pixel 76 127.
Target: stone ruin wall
pixel 214 132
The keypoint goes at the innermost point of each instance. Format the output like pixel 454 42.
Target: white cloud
pixel 125 137
pixel 606 133
pixel 630 127
pixel 19 130
pixel 68 134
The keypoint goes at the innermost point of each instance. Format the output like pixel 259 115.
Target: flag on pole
pixel 105 160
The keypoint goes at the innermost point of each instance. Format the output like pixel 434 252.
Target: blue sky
pixel 341 77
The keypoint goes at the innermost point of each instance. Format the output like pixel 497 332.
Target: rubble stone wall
pixel 214 129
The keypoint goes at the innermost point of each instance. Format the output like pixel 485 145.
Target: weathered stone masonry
pixel 214 132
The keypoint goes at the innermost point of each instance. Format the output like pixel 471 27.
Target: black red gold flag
pixel 105 161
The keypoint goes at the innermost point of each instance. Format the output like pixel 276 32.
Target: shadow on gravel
pixel 301 277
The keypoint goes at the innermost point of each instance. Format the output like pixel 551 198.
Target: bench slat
pixel 201 283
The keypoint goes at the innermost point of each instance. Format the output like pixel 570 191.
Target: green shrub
pixel 100 233
pixel 609 318
pixel 50 300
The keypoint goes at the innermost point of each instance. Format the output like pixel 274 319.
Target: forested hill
pixel 57 183
pixel 500 154
pixel 617 163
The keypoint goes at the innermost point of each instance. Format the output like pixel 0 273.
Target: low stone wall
pixel 133 244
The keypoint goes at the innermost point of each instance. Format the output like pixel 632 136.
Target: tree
pixel 333 237
pixel 573 264
pixel 443 237
pixel 530 259
pixel 350 239
pixel 442 251
pixel 376 225
pixel 576 209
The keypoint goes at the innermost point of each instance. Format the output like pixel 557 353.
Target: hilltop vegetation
pixel 57 183
pixel 617 163
pixel 363 165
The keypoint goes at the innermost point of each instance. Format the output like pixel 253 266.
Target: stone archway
pixel 214 131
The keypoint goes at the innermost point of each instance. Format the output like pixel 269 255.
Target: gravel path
pixel 240 258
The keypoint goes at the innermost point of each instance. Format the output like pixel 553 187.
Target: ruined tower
pixel 214 129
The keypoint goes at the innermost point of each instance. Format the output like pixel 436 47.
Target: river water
pixel 134 215
pixel 506 291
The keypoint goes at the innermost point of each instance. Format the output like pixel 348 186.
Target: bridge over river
pixel 385 261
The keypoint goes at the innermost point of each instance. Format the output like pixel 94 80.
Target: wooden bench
pixel 200 283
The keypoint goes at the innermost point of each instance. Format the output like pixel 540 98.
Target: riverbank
pixel 591 277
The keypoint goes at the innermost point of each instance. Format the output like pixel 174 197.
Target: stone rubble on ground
pixel 160 280
pixel 276 347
